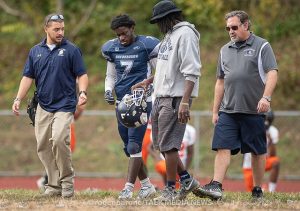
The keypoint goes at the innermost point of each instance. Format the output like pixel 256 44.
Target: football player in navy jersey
pixel 130 59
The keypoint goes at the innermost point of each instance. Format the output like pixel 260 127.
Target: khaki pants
pixel 52 131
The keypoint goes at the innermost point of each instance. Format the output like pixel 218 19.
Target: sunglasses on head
pixel 234 28
pixel 55 17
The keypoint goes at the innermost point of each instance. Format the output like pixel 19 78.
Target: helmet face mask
pixel 132 109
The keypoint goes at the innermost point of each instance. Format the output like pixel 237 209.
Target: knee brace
pixel 133 148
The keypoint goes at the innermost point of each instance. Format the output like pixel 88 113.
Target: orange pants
pixel 248 175
pixel 145 146
pixel 72 137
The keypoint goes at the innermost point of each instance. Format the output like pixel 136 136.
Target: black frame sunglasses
pixel 234 28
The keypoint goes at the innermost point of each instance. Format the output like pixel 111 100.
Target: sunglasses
pixel 55 17
pixel 234 28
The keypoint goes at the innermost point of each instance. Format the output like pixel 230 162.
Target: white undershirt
pixel 51 46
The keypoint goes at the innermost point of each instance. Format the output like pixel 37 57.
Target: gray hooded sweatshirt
pixel 178 60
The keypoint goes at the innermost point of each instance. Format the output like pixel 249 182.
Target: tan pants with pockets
pixel 52 131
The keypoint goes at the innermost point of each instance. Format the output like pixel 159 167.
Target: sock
pixel 184 175
pixel 272 186
pixel 145 182
pixel 171 184
pixel 129 186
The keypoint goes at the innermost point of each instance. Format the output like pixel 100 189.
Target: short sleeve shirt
pixel 55 74
pixel 244 70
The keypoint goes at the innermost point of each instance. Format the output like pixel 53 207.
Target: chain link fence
pixel 99 149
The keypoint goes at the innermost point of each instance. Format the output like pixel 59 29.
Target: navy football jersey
pixel 131 62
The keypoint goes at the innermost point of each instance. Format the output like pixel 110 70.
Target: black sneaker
pixel 257 192
pixel 212 190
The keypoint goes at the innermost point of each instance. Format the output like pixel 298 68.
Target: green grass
pixel 86 200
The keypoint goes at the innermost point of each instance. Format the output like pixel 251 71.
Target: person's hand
pixel 215 118
pixel 82 98
pixel 143 84
pixel 109 98
pixel 184 113
pixel 16 106
pixel 263 105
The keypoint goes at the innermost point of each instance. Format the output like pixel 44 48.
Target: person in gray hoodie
pixel 176 82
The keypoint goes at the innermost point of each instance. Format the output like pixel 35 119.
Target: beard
pixel 55 39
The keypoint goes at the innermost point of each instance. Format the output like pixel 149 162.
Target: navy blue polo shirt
pixel 55 74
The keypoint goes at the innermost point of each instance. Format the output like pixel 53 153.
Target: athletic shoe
pixel 49 192
pixel 166 195
pixel 125 194
pixel 146 192
pixel 187 186
pixel 68 192
pixel 212 190
pixel 257 193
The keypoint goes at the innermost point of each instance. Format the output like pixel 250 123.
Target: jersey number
pixel 128 65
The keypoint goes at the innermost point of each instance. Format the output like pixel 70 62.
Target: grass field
pixel 100 200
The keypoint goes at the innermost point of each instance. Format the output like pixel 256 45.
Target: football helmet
pixel 132 109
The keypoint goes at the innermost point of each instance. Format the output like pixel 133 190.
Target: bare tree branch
pixel 12 11
pixel 84 19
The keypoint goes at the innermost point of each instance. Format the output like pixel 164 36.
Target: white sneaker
pixel 125 194
pixel 146 192
pixel 166 195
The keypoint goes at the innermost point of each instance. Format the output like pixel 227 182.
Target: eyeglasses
pixel 234 28
pixel 54 18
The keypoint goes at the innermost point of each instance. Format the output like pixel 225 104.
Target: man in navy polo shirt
pixel 55 64
pixel 246 78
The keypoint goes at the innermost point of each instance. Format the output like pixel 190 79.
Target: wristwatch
pixel 268 98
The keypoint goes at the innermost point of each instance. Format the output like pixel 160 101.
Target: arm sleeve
pixel 111 76
pixel 106 51
pixel 268 58
pixel 189 54
pixel 28 70
pixel 78 64
pixel 154 51
pixel 220 71
pixel 152 63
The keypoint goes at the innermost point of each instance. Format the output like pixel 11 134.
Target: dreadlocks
pixel 122 20
pixel 166 23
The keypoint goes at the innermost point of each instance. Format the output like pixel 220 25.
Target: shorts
pixel 133 136
pixel 245 132
pixel 167 132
